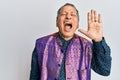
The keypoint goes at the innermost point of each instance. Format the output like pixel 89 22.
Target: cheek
pixel 59 22
pixel 76 23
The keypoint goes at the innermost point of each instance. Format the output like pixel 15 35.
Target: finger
pixel 89 17
pixel 92 15
pixel 95 16
pixel 99 18
pixel 83 31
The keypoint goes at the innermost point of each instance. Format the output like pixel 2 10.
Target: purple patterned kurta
pixel 78 58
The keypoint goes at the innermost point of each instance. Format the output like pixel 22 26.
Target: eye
pixel 63 14
pixel 73 14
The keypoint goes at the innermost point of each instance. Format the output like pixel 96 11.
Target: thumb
pixel 83 31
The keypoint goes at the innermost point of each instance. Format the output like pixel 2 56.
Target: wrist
pixel 97 39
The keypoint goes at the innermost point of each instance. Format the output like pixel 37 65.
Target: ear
pixel 56 23
pixel 78 26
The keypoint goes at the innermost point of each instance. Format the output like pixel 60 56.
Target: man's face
pixel 67 22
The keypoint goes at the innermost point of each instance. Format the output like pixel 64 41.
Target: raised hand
pixel 94 31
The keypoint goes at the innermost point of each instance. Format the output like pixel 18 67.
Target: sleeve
pixel 101 59
pixel 34 73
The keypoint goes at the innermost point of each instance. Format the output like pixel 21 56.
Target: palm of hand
pixel 94 31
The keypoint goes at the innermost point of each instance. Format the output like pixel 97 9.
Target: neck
pixel 65 38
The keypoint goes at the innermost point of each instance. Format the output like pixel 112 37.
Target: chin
pixel 68 35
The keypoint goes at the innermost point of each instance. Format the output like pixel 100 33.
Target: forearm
pixel 101 59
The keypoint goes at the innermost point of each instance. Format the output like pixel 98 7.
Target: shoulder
pixel 44 39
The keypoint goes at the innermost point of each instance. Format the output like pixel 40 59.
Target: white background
pixel 23 21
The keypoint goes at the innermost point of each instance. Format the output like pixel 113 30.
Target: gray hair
pixel 67 4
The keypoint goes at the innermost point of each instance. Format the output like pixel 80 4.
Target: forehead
pixel 68 8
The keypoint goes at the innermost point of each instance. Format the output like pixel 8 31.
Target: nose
pixel 68 16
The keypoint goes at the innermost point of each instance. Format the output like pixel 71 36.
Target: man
pixel 65 55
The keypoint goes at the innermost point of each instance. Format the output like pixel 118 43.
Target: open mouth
pixel 68 24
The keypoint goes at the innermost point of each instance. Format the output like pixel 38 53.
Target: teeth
pixel 68 22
